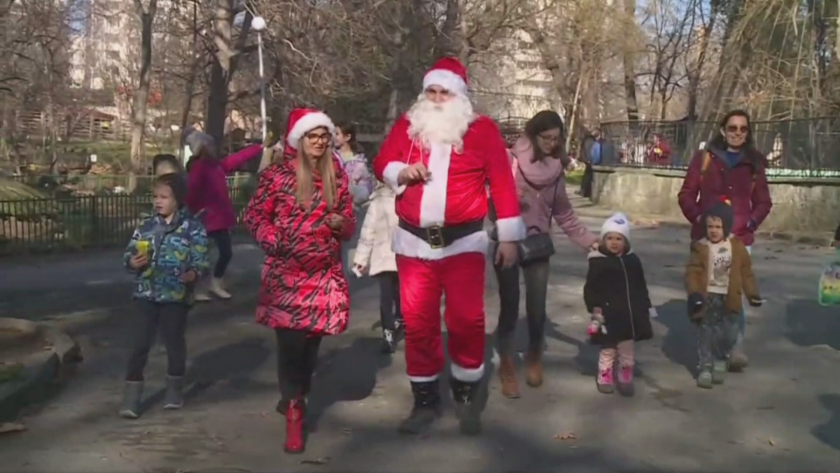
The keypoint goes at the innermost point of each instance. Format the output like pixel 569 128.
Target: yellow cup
pixel 143 247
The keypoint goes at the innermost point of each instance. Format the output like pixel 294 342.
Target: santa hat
pixel 617 223
pixel 302 121
pixel 448 73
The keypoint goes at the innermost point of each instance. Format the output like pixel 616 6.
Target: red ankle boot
pixel 295 442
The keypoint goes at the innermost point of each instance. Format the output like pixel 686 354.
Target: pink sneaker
pixel 605 381
pixel 625 381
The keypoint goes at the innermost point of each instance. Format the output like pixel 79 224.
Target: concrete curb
pixel 40 369
pixel 586 209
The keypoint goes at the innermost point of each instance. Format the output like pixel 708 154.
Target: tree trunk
pixel 141 95
pixel 630 69
pixel 223 67
pixel 695 72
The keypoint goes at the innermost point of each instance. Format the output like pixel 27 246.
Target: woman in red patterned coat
pixel 299 214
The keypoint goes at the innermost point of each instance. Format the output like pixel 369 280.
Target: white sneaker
pixel 217 288
pixel 202 297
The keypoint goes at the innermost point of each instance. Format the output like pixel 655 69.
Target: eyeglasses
pixel 315 138
pixel 549 139
pixel 733 128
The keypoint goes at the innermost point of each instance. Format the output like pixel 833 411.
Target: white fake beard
pixel 445 123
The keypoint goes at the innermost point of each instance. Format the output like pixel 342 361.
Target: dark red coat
pixel 745 185
pixel 303 284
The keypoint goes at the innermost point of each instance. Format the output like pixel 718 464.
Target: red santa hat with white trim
pixel 448 73
pixel 302 121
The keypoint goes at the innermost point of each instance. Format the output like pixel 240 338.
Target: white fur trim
pixel 467 375
pixel 446 79
pixel 308 123
pixel 391 174
pixel 423 379
pixel 406 244
pixel 433 201
pixel 511 229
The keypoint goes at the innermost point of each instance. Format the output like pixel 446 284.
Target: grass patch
pixel 575 177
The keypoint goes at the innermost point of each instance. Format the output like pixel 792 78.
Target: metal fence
pixel 32 226
pixel 807 147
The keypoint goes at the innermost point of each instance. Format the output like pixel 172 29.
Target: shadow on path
pixel 810 324
pixel 678 345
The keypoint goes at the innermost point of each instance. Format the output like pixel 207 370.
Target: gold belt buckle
pixel 434 237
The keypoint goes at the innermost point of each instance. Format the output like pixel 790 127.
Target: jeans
pixel 717 334
pixel 221 239
pixel 346 263
pixel 297 355
pixel 389 299
pixel 536 289
pixel 742 319
pixel 171 319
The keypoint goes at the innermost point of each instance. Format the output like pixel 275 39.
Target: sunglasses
pixel 733 128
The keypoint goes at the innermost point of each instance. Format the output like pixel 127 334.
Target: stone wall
pixel 799 204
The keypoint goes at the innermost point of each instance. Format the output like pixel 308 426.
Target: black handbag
pixel 538 246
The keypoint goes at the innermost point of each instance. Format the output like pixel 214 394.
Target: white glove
pixel 652 313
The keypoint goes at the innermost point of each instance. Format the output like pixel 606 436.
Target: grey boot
pixel 132 396
pixel 469 413
pixel 174 398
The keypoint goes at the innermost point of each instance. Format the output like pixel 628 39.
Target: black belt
pixel 441 237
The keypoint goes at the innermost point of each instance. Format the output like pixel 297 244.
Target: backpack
pixel 707 160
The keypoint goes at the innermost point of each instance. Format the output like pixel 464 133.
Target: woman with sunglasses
pixel 731 169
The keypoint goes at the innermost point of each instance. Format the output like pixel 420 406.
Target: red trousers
pixel 422 283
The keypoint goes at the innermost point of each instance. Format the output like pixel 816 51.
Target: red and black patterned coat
pixel 303 284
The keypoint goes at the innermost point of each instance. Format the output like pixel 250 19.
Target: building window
pixel 529 64
pixel 540 84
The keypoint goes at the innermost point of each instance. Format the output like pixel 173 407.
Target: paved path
pixel 782 415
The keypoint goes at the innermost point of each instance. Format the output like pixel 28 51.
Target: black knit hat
pixel 178 183
pixel 723 211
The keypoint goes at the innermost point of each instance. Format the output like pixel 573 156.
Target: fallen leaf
pixel 771 442
pixel 568 436
pixel 9 427
pixel 317 461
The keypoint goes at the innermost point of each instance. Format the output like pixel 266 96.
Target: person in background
pixel 538 169
pixel 590 140
pixel 729 168
pixel 659 153
pixel 208 193
pixel 375 256
pixel 361 182
pixel 168 254
pixel 166 164
pixel 299 215
pixel 719 270
pixel 616 294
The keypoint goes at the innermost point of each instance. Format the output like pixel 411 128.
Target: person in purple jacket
pixel 207 191
pixel 538 165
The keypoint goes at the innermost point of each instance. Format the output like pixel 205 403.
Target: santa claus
pixel 438 158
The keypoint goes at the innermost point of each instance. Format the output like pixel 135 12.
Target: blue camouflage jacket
pixel 174 248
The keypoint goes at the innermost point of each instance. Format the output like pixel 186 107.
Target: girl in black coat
pixel 616 295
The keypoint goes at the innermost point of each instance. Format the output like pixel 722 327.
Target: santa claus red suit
pixel 441 242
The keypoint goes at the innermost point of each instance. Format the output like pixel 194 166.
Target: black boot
pixel 132 396
pixel 469 413
pixel 174 398
pixel 426 408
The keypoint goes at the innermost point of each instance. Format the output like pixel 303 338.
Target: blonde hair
pixel 306 176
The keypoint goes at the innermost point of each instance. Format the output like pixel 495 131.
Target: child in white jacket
pixel 374 256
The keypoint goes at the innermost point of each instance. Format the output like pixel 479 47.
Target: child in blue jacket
pixel 168 253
